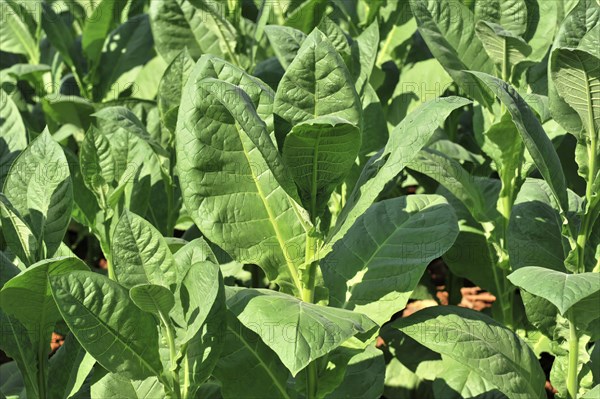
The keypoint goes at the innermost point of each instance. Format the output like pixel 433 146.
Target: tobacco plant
pixel 241 170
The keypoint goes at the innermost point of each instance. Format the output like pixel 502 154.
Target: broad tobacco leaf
pixel 298 332
pixel 375 267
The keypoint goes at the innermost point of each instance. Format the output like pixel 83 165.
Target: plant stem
pixel 311 380
pixel 572 382
pixel 308 295
pixel 42 361
pixel 173 354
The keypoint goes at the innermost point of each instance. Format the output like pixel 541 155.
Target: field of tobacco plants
pixel 295 199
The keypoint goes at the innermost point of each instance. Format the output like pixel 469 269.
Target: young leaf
pixel 14 135
pixel 405 141
pixel 177 25
pixel 535 138
pixel 97 165
pixel 39 187
pixel 244 169
pixel 448 28
pixel 504 48
pixel 580 20
pixel 375 267
pixel 561 289
pixel 320 152
pixel 510 14
pixel 151 298
pixel 105 321
pixel 480 344
pixel 171 86
pixel 286 42
pixel 298 332
pixel 576 76
pixel 317 83
pixel 140 253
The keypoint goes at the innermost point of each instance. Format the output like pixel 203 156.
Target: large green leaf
pixel 448 28
pixel 39 187
pixel 459 382
pixel 28 296
pixel 15 36
pixel 103 20
pixel 140 253
pixel 298 332
pixel 320 152
pixel 510 14
pixel 535 138
pixel 127 47
pixel 105 321
pixel 317 83
pixel 576 76
pixel 562 289
pixel 117 386
pixel 375 267
pixel 405 141
pixel 263 371
pixel 14 135
pixel 152 298
pixel 225 156
pixel 480 344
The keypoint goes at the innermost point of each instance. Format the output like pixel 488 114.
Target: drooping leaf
pixel 105 321
pixel 28 296
pixel 301 332
pixel 562 289
pixel 19 238
pixel 39 187
pixel 481 344
pixel 140 253
pixel 239 164
pixel 375 267
pixel 535 138
pixel 320 153
pixel 405 141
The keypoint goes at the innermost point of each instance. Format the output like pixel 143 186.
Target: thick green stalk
pixel 42 361
pixel 173 355
pixel 572 381
pixel 308 295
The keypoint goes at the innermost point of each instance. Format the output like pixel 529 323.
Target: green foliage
pixel 269 184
